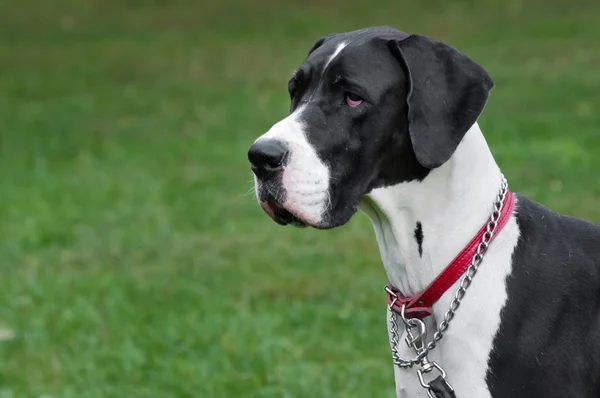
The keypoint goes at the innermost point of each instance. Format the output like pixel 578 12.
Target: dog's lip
pixel 280 215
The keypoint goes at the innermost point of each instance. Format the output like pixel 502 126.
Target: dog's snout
pixel 267 156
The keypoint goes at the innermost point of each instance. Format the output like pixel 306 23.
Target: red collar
pixel 419 305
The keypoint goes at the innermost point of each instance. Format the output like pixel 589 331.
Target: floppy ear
pixel 317 44
pixel 447 92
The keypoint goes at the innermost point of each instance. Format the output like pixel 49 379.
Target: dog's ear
pixel 446 94
pixel 319 43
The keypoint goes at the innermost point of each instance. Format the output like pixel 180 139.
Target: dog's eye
pixel 353 100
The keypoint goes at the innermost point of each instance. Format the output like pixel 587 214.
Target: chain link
pixel 460 292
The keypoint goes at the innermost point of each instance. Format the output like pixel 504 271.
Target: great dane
pixel 386 122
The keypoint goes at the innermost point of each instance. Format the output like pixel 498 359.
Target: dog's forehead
pixel 335 45
pixel 364 58
pixel 324 54
pixel 364 49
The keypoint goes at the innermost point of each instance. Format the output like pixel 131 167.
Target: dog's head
pixel 369 108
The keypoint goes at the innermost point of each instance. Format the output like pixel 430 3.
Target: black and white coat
pixel 387 122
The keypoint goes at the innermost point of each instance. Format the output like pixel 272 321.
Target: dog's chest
pixel 464 350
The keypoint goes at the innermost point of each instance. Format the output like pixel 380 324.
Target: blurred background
pixel 134 260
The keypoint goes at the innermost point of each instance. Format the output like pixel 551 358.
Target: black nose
pixel 267 157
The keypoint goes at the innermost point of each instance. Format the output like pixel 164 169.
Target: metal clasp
pixel 427 367
pixel 415 338
pixel 391 293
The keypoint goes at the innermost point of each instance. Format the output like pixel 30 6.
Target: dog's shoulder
pixel 556 253
pixel 545 233
pixel 551 310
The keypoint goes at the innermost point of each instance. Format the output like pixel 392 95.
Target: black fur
pixel 419 237
pixel 392 136
pixel 447 94
pixel 420 98
pixel 548 343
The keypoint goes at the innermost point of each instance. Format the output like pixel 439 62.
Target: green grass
pixel 132 261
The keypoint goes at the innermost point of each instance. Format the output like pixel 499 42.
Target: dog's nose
pixel 267 157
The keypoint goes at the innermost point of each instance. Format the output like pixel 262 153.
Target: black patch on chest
pixel 548 342
pixel 419 237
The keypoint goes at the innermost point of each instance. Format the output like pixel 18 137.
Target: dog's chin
pixel 280 215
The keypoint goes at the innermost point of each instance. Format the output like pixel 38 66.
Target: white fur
pixel 305 177
pixel 337 51
pixel 452 203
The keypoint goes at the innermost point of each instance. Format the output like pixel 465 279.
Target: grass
pixel 132 261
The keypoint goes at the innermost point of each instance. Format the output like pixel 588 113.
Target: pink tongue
pixel 269 208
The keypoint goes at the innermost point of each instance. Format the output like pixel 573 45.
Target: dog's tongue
pixel 269 207
pixel 280 215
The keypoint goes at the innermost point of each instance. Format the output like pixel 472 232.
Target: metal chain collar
pixel 417 340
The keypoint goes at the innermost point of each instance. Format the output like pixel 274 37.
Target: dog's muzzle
pixel 267 159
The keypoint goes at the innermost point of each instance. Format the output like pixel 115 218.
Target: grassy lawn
pixel 133 263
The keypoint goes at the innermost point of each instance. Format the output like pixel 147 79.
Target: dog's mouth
pixel 280 215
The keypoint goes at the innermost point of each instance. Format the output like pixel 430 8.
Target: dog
pixel 386 122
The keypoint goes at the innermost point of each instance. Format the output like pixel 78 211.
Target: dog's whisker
pixel 250 191
pixel 329 205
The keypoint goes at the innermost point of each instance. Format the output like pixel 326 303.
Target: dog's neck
pixel 443 212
